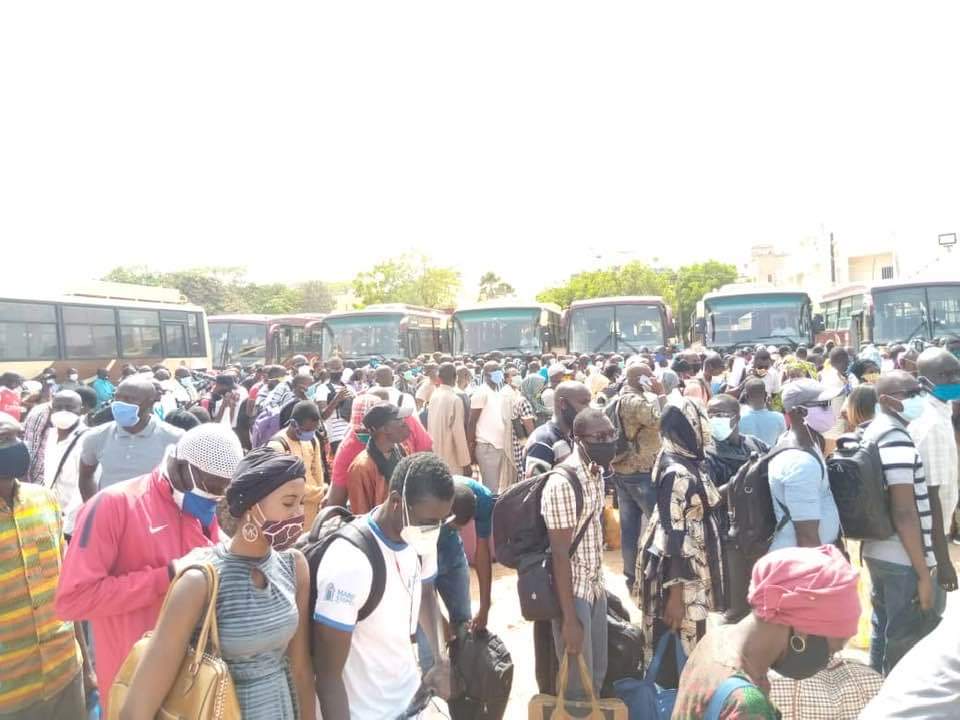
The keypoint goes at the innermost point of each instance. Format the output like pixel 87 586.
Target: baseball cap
pixel 558 369
pixel 805 391
pixel 379 415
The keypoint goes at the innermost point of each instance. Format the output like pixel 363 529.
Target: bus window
pixel 898 315
pixel 246 343
pixel 140 333
pixel 944 309
pixel 174 339
pixel 639 326
pixel 90 332
pixel 28 331
pixel 591 330
pixel 195 337
pixel 831 311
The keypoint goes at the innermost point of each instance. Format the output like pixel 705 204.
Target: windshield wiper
pixel 915 331
pixel 793 343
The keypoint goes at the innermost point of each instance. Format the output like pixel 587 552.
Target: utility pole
pixel 833 261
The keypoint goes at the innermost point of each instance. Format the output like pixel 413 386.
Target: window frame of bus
pixel 28 331
pixel 89 317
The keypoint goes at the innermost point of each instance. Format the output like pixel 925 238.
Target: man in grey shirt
pixel 130 446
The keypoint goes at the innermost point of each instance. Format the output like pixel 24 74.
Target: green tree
pixel 492 286
pixel 316 296
pixel 407 279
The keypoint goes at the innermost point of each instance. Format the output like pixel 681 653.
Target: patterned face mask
pixel 281 534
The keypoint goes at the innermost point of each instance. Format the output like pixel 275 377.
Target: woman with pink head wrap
pixel 804 609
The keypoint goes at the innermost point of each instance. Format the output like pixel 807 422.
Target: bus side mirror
pixel 818 324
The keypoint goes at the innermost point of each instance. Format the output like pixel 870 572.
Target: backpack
pixel 338 522
pixel 753 524
pixel 518 525
pixel 483 670
pixel 265 426
pixel 859 490
pixel 612 411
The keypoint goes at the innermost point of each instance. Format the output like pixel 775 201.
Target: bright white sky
pixel 308 140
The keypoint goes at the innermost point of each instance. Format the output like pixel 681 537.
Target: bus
pixel 390 331
pixel 891 312
pixel 618 325
pixel 88 332
pixel 507 326
pixel 747 315
pixel 266 339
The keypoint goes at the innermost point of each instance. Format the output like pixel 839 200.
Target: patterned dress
pixel 522 409
pixel 256 626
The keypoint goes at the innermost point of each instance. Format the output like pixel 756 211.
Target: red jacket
pixel 351 446
pixel 10 403
pixel 115 570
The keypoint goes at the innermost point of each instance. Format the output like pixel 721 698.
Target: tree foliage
pixel 225 290
pixel 408 279
pixel 681 288
pixel 492 286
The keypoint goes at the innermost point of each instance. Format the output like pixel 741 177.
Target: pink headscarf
pixel 813 590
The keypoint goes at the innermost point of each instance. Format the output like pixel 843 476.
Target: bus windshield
pixel 755 318
pixel 364 336
pixel 506 329
pixel 945 309
pixel 236 342
pixel 615 328
pixel 899 315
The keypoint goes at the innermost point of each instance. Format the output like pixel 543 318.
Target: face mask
pixel 913 408
pixel 568 415
pixel 720 428
pixel 303 370
pixel 422 539
pixel 64 419
pixel 600 453
pixel 73 377
pixel 335 377
pixel 125 414
pixel 947 392
pixel 363 437
pixel 197 502
pixel 871 378
pixel 14 460
pixel 282 534
pixel 820 419
pixel 761 372
pixel 496 377
pixel 804 658
pixel 185 381
pixel 715 386
pixel 303 435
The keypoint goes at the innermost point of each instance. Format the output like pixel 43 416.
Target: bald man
pixel 383 378
pixel 933 435
pixel 552 442
pixel 129 446
pixel 903 593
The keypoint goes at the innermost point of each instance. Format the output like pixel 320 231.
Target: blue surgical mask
pixel 496 377
pixel 196 502
pixel 913 407
pixel 720 428
pixel 947 392
pixel 125 414
pixel 304 435
pixel 715 386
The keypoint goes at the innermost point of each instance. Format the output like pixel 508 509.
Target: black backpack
pixel 337 522
pixel 483 672
pixel 612 411
pixel 518 526
pixel 753 523
pixel 859 488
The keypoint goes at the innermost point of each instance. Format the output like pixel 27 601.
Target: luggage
pixel 483 671
pixel 645 699
pixel 859 489
pixel 548 707
pixel 624 645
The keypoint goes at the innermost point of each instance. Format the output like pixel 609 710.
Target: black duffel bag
pixel 483 676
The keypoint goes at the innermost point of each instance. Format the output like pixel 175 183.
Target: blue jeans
pixel 898 622
pixel 636 497
pixel 453 585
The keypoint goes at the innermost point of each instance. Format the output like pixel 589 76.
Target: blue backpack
pixel 645 700
pixel 720 695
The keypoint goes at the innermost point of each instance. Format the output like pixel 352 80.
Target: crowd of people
pixel 114 497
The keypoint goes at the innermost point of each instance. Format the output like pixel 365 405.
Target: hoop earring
pixel 249 531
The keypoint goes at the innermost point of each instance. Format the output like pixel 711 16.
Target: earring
pixel 249 530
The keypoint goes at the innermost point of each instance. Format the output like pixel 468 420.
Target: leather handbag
pixel 548 707
pixel 203 688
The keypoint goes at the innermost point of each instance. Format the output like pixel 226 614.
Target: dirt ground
pixel 505 620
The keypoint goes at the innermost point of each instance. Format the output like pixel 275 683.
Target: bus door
pixel 174 337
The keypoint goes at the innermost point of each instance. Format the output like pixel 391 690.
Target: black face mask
pixel 335 377
pixel 567 415
pixel 601 453
pixel 14 461
pixel 804 658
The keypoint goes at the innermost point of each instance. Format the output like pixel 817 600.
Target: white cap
pixel 211 447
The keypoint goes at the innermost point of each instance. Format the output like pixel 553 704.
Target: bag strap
pixel 585 680
pixel 209 630
pixel 66 454
pixel 654 668
pixel 361 537
pixel 571 476
pixel 720 695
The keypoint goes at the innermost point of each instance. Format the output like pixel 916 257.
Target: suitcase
pixel 548 707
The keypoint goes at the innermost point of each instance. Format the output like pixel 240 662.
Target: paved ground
pixel 517 634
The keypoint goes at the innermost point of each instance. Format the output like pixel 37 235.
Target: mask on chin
pixel 805 657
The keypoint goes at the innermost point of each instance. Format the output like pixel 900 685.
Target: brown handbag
pixel 548 707
pixel 203 688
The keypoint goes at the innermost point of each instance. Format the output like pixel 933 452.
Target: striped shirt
pixel 39 655
pixel 902 465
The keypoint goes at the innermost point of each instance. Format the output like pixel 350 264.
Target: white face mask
pixel 73 377
pixel 423 539
pixel 64 419
pixel 303 370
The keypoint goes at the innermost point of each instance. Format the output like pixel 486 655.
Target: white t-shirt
pixel 67 488
pixel 400 399
pixel 490 424
pixel 230 416
pixel 381 674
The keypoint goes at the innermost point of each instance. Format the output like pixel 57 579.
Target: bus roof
pixel 509 305
pixel 389 309
pixel 862 288
pixel 260 319
pixel 619 300
pixel 750 290
pixel 100 302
